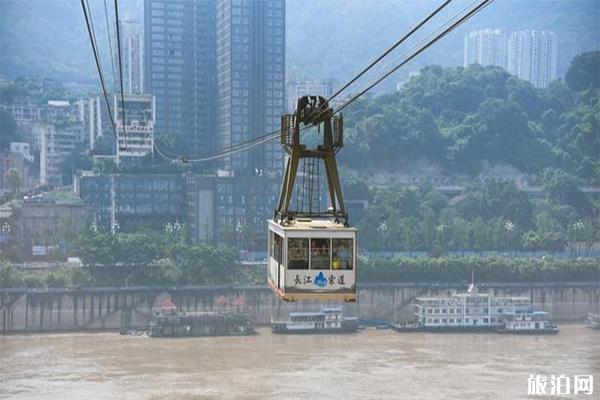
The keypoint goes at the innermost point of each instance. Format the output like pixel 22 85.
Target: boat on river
pixel 593 321
pixel 527 322
pixel 465 311
pixel 168 322
pixel 327 321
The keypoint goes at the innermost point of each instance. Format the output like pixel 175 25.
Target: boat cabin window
pixel 343 252
pixel 298 253
pixel 277 248
pixel 319 253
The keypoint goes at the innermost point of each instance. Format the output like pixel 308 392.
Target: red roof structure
pixel 222 300
pixel 239 301
pixel 167 304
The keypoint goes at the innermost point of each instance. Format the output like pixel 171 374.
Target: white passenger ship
pixel 524 322
pixel 328 320
pixel 472 311
pixel 467 311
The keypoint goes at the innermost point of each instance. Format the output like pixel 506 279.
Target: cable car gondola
pixel 312 252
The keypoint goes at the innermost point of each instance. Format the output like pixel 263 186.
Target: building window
pixel 277 247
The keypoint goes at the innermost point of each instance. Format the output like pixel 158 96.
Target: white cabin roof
pixel 305 223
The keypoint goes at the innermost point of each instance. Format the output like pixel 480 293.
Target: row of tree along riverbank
pixel 214 269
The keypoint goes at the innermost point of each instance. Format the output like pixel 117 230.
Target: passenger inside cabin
pixel 319 256
pixel 342 254
pixel 297 253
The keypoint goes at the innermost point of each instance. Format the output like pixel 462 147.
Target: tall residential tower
pixel 485 47
pixel 251 80
pixel 180 70
pixel 532 56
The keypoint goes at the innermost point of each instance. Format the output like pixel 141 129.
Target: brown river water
pixel 373 364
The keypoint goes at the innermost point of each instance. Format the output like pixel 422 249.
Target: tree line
pixel 493 215
pixel 460 118
pixel 207 271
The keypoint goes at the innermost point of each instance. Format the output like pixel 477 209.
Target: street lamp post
pixel 509 226
pixel 382 229
pixel 5 234
pixel 577 227
pixel 239 230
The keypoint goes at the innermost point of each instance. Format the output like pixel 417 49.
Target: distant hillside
pixel 462 119
pixel 344 34
pixel 325 39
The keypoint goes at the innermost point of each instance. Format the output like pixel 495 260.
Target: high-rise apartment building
pixel 133 64
pixel 532 56
pixel 179 52
pixel 251 80
pixel 57 143
pixel 485 47
pixel 94 116
pixel 135 127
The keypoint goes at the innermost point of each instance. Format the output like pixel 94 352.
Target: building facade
pixel 135 127
pixel 532 56
pixel 251 80
pixel 133 56
pixel 95 119
pixel 16 173
pixel 485 47
pixel 133 200
pixel 57 136
pixel 46 228
pixel 230 210
pixel 180 54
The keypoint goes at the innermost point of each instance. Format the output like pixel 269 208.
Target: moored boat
pixel 168 322
pixel 467 312
pixel 326 321
pixel 187 324
pixel 593 321
pixel 527 322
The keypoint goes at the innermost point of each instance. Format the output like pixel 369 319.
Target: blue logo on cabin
pixel 320 280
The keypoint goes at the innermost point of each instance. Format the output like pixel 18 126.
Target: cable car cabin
pixel 312 260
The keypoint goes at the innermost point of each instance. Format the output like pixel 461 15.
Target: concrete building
pixel 95 120
pixel 133 200
pixel 22 148
pixel 44 228
pixel 180 59
pixel 485 47
pixel 24 113
pixel 56 143
pixel 133 56
pixel 136 127
pixel 532 56
pixel 250 52
pixel 296 89
pixel 24 168
pixel 222 208
pixel 58 134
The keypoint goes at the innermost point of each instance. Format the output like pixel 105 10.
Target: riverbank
pixel 111 308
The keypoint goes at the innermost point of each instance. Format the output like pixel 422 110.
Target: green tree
pixel 14 181
pixel 563 188
pixel 583 71
pixel 8 130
